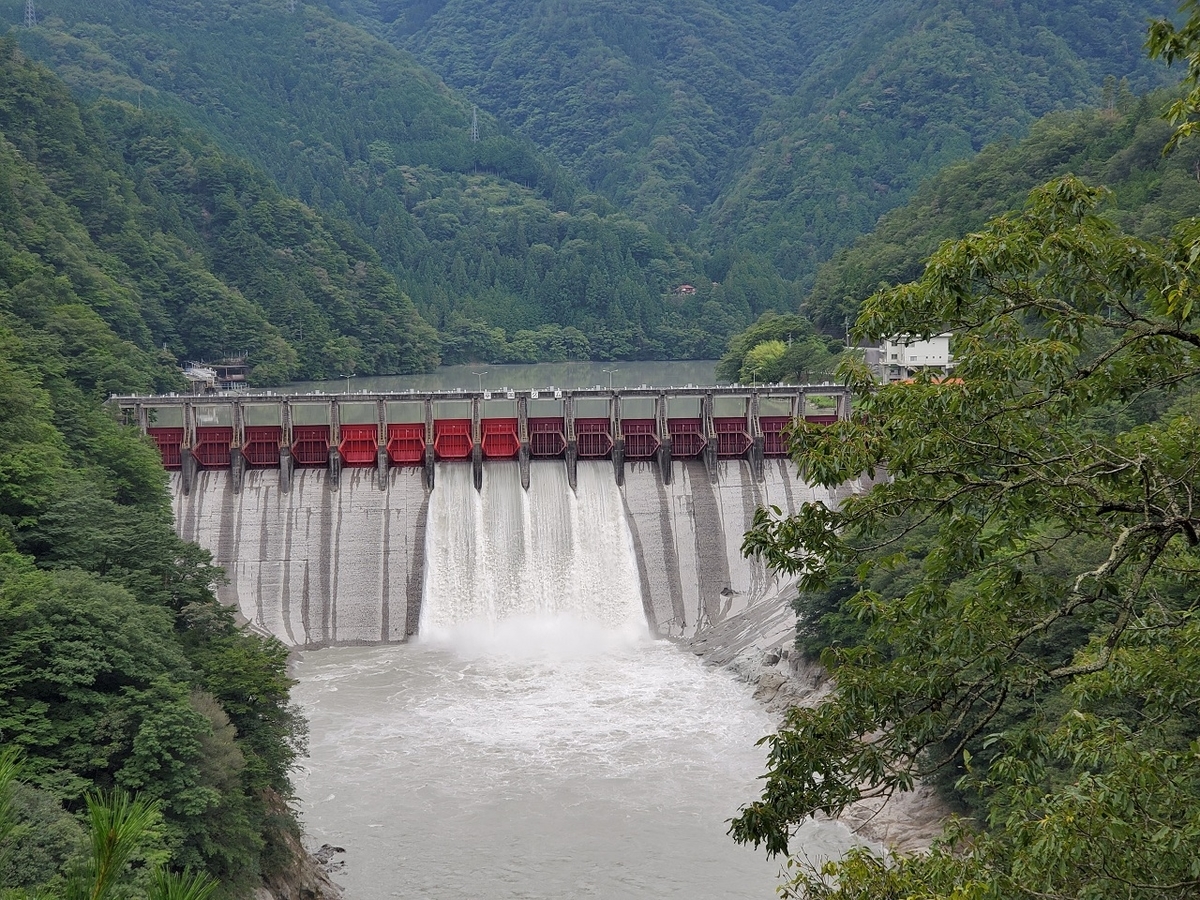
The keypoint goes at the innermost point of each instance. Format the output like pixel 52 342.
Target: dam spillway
pixel 342 552
pixel 315 566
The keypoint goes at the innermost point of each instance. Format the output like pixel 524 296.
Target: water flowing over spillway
pixel 504 552
pixel 343 562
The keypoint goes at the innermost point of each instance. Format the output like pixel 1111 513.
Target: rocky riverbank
pixel 756 646
pixel 307 878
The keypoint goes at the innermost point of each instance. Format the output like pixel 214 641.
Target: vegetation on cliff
pixel 119 670
pixel 1013 610
pixel 118 667
pixel 1015 606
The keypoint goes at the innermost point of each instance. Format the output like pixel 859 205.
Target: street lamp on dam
pixel 610 375
pixel 480 375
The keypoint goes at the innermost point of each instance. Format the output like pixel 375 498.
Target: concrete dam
pixel 358 519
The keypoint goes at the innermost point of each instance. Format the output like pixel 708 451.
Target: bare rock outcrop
pixel 308 875
pixel 307 878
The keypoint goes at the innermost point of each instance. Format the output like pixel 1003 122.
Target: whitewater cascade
pixel 503 552
pixel 351 563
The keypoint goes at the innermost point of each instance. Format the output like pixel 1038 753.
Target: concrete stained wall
pixel 316 566
pixel 689 533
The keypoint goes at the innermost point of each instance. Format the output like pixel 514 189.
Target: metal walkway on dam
pixel 245 431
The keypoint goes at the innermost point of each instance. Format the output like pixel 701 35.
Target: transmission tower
pixel 30 15
pixel 474 122
pixel 291 6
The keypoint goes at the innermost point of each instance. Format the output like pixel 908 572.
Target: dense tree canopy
pixel 1054 481
pixel 779 349
pixel 780 130
pixel 119 670
pixel 133 244
pixel 1119 144
pixel 481 235
pixel 118 667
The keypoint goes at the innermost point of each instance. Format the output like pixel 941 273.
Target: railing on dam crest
pixel 236 432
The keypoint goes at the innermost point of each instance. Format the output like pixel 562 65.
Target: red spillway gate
pixel 732 439
pixel 774 441
pixel 593 439
pixel 687 437
pixel 406 444
pixel 212 446
pixel 547 437
pixel 359 445
pixel 641 441
pixel 821 419
pixel 452 438
pixel 310 445
pixel 170 446
pixel 500 440
pixel 261 447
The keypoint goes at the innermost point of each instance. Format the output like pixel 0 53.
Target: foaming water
pixel 559 770
pixel 533 742
pixel 554 639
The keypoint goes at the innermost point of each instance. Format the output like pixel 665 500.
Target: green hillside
pixel 479 234
pixel 908 95
pixel 185 252
pixel 649 103
pixel 119 669
pixel 1119 146
pixel 779 130
pixel 621 150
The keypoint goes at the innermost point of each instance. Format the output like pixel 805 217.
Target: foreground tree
pixel 1055 482
pixel 120 830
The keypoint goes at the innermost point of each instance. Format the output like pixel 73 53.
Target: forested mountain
pixel 621 150
pixel 182 250
pixel 781 130
pixel 480 234
pixel 1119 146
pixel 650 103
pixel 912 91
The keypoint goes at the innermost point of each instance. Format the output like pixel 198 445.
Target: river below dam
pixel 542 759
pixel 531 740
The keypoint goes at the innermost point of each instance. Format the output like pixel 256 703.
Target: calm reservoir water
pixel 566 375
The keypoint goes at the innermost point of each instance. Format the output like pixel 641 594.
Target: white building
pixel 902 357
